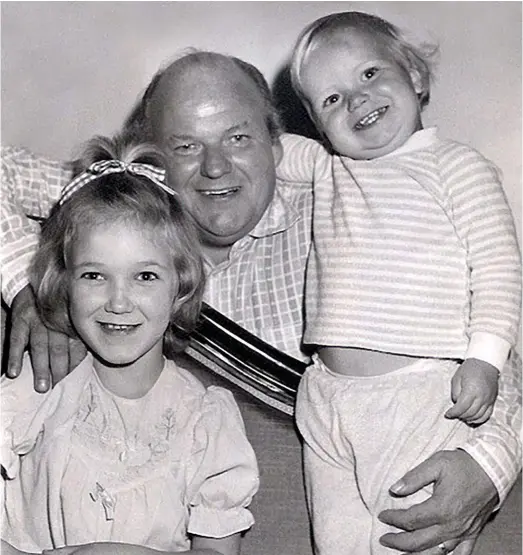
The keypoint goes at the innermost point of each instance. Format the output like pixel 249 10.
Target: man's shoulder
pixel 294 189
pixel 22 157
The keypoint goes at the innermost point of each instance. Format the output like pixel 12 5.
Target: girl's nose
pixel 119 301
pixel 215 163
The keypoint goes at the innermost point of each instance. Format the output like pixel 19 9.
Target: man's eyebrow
pixel 239 126
pixel 175 137
pixel 183 137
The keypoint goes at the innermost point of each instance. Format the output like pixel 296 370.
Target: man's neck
pixel 215 255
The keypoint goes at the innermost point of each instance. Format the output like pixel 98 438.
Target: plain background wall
pixel 74 69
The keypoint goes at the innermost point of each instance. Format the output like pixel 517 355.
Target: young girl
pixel 129 453
pixel 413 285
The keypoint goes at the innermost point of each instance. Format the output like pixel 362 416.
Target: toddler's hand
pixel 474 390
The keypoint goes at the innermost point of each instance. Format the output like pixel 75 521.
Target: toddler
pixel 128 453
pixel 413 283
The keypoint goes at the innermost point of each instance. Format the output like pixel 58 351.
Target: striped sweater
pixel 414 252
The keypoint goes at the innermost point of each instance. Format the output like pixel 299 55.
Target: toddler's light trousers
pixel 362 434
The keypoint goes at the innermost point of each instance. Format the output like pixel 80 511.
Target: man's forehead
pixel 208 84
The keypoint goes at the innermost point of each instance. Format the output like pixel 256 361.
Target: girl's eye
pixel 92 276
pixel 147 276
pixel 330 100
pixel 370 73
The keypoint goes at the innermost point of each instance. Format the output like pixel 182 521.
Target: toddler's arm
pixel 485 226
pixel 299 156
pixel 474 390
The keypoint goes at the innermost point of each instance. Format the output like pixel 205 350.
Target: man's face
pixel 211 123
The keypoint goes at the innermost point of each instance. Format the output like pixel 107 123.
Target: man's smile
pixel 219 193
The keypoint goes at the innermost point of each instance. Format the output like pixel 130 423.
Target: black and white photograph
pixel 261 277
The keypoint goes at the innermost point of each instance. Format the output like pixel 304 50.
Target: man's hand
pixel 53 354
pixel 461 503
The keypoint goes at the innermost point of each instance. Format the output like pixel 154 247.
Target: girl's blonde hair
pixel 409 56
pixel 127 197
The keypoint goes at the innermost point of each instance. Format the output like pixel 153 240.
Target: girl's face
pixel 360 97
pixel 122 288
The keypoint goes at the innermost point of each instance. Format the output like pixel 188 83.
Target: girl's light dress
pixel 82 465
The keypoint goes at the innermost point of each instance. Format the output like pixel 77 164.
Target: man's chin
pixel 223 236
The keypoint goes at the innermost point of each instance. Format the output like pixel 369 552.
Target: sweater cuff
pixel 489 348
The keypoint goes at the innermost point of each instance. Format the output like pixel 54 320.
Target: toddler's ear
pixel 417 81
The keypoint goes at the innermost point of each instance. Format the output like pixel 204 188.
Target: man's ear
pixel 277 151
pixel 417 80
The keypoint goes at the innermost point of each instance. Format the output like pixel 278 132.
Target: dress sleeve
pixel 496 445
pixel 30 187
pixel 223 473
pixel 22 420
pixel 300 159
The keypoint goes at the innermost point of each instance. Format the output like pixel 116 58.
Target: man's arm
pixel 30 186
pixel 469 483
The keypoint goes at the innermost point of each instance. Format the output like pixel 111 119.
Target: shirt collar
pixel 279 216
pixel 417 141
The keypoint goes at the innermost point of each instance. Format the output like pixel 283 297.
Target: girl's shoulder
pixel 188 388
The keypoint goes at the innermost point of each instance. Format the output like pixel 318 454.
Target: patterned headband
pixel 105 167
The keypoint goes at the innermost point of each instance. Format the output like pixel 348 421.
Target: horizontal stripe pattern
pixel 412 252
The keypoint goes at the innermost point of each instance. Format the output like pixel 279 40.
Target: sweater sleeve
pixel 299 161
pixel 485 225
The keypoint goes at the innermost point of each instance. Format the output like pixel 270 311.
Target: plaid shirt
pixel 261 286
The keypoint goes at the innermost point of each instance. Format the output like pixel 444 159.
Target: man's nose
pixel 118 299
pixel 215 163
pixel 356 99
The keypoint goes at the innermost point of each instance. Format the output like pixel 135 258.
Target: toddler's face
pixel 360 97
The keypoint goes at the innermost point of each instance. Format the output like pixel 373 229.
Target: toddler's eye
pixel 370 73
pixel 147 276
pixel 330 100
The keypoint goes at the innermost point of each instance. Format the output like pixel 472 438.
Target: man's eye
pixel 147 276
pixel 186 148
pixel 330 100
pixel 239 139
pixel 370 73
pixel 92 276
